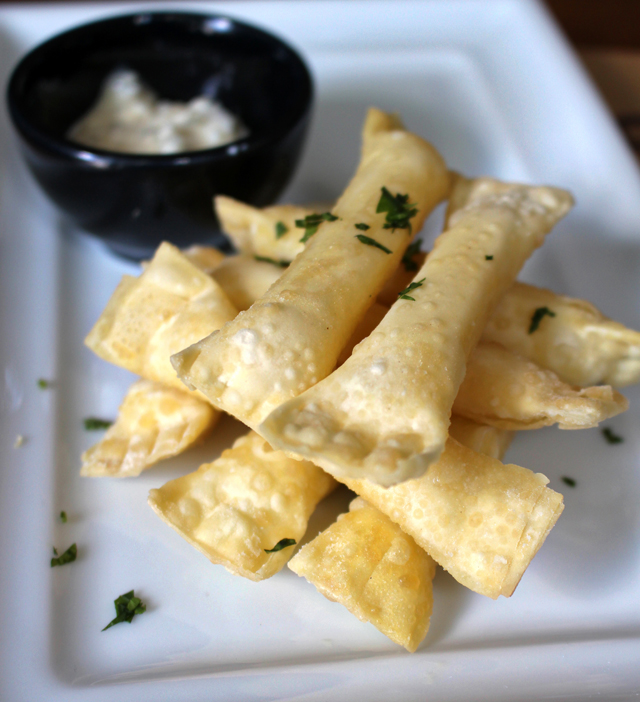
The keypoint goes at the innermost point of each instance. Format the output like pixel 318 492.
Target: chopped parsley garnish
pixel 488 258
pixel 43 384
pixel 63 517
pixel 403 295
pixel 611 437
pixel 281 229
pixel 55 551
pixel 266 259
pixel 94 424
pixel 67 557
pixel 412 250
pixel 311 223
pixel 283 543
pixel 372 242
pixel 362 226
pixel 127 606
pixel 398 210
pixel 568 481
pixel 537 318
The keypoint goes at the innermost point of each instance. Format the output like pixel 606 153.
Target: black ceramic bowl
pixel 135 201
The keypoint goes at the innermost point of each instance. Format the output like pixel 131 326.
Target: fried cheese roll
pixel 269 232
pixel 384 414
pixel 206 258
pixel 510 392
pixel 256 231
pixel 291 338
pixel 171 305
pixel 245 280
pixel 499 388
pixel 481 438
pixel 368 564
pixel 154 422
pixel 566 335
pixel 507 391
pixel 481 520
pixel 579 344
pixel 242 505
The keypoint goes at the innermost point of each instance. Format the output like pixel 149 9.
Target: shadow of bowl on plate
pixel 131 201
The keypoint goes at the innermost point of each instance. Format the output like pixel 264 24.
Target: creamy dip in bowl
pixel 133 201
pixel 130 118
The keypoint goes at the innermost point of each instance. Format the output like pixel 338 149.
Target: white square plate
pixel 496 89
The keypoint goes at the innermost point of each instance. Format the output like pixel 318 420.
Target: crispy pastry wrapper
pixel 242 503
pixel 481 520
pixel 510 392
pixel 505 390
pixel 206 258
pixel 171 305
pixel 154 422
pixel 368 564
pixel 384 414
pixel 292 337
pixel 368 323
pixel 365 562
pixel 401 279
pixel 253 230
pixel 579 344
pixel 481 438
pixel 245 280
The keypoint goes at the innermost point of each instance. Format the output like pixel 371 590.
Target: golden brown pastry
pixel 171 305
pixel 154 422
pixel 365 562
pixel 292 337
pixel 239 507
pixel 384 414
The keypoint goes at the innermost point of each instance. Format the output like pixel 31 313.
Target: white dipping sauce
pixel 129 118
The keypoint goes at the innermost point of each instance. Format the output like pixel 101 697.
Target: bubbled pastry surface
pixel 171 305
pixel 244 502
pixel 365 562
pixel 154 422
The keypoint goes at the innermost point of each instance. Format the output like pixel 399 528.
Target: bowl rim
pixel 105 159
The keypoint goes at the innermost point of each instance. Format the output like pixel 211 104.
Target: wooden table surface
pixel 606 34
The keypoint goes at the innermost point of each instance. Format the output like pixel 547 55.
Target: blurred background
pixel 606 35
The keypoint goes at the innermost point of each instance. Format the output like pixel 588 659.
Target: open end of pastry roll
pixel 171 305
pixel 384 414
pixel 154 422
pixel 510 392
pixel 481 520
